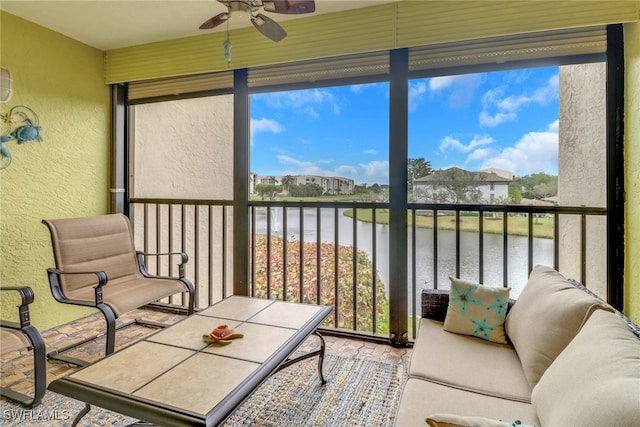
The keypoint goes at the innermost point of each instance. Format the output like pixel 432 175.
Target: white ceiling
pixel 114 24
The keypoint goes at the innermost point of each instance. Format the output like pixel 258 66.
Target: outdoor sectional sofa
pixel 569 359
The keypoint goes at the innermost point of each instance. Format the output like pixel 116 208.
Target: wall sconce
pixel 6 85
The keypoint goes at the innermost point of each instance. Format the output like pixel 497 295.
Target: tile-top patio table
pixel 174 378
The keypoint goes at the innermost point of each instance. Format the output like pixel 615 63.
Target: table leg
pixel 84 411
pixel 319 353
pixel 321 357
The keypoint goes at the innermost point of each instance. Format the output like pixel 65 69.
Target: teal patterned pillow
pixel 477 310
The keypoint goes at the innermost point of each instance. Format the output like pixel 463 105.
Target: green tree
pixel 306 190
pixel 288 181
pixel 515 195
pixel 417 168
pixel 269 190
pixel 537 185
pixel 457 186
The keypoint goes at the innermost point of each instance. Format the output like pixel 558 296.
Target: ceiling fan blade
pixel 215 21
pixel 291 7
pixel 268 27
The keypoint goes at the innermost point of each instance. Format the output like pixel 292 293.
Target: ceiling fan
pixel 268 27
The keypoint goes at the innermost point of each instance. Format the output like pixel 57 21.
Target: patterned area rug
pixel 359 392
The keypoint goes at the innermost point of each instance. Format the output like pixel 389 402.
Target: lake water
pixel 517 251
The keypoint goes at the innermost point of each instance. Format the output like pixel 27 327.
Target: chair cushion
pixel 421 398
pixel 443 357
pixel 12 339
pixel 97 243
pixel 128 293
pixel 477 310
pixel 595 381
pixel 548 314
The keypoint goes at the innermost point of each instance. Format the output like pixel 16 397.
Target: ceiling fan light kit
pixel 246 9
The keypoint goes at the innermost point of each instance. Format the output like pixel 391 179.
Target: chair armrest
pixel 26 298
pixel 184 258
pixel 101 275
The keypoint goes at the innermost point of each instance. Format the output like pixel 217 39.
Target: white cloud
pixel 376 171
pixel 300 167
pixel 308 101
pixel 449 142
pixel 370 152
pixel 534 152
pixel 265 125
pixel 497 108
pixel 488 120
pixel 480 154
pixel 416 93
pixel 438 83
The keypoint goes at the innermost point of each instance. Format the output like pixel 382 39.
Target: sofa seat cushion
pixel 595 381
pixel 548 314
pixel 468 363
pixel 422 398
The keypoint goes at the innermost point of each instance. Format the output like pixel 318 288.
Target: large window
pixel 297 159
pixel 323 143
pixel 531 137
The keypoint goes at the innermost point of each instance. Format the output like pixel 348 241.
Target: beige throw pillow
pixel 548 314
pixel 477 310
pixel 595 381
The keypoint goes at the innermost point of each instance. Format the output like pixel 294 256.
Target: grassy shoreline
pixel 516 225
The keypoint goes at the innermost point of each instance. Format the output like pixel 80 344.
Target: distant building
pixel 500 172
pixel 455 185
pixel 330 184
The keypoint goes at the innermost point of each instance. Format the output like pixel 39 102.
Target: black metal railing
pixel 316 252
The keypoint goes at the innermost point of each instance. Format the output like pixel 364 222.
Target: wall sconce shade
pixel 6 85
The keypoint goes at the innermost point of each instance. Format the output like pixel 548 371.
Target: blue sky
pixel 507 120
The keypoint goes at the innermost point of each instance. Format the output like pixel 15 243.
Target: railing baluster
pixel 354 254
pixel 253 251
pixel 374 261
pixel 285 247
pixel 301 256
pixel 481 246
pixel 196 249
pixel 505 250
pixel 556 241
pixel 268 252
pixel 583 247
pixel 413 273
pixel 530 243
pixel 318 254
pixel 336 269
pixel 457 243
pixel 435 249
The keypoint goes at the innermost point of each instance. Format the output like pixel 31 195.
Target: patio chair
pixel 22 335
pixel 97 266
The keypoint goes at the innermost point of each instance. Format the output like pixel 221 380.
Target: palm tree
pixel 287 181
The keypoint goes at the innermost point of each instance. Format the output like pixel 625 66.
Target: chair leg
pixel 110 337
pixel 39 371
pixel 110 317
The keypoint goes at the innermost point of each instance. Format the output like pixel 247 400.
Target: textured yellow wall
pixel 632 170
pixel 66 174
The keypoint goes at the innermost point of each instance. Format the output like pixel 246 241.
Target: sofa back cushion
pixel 595 381
pixel 548 314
